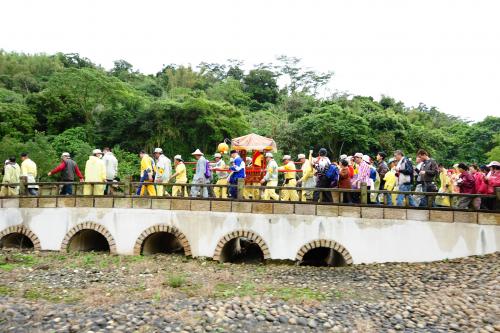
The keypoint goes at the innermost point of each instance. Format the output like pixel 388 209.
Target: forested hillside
pixel 64 102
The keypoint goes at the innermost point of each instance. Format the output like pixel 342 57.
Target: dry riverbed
pixel 83 292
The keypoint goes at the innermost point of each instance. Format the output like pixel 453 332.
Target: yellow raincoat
pixel 290 181
pixel 147 166
pixel 446 187
pixel 95 171
pixel 181 178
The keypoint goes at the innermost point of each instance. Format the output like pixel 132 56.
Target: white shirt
pixel 111 165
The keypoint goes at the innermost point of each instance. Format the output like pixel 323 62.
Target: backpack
pixel 208 171
pixel 373 174
pixel 332 173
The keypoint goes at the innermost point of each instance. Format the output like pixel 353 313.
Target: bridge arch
pixel 16 234
pixel 317 245
pixel 89 232
pixel 220 253
pixel 159 229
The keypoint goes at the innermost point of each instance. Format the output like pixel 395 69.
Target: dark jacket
pixel 431 171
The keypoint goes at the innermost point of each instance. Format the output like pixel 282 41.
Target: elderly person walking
pixel 270 178
pixel 466 184
pixel 321 164
pixel 12 174
pixel 111 164
pixel 69 170
pixel 95 172
pixel 404 172
pixel 201 176
pixel 238 171
pixel 180 177
pixel 222 176
pixel 290 179
pixel 307 179
pixel 29 170
pixel 163 171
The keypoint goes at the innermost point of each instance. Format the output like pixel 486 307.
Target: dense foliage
pixel 63 102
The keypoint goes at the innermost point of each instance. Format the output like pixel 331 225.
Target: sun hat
pixel 178 157
pixel 65 154
pixel 286 157
pixel 217 155
pixel 96 152
pixel 343 156
pixel 366 158
pixel 493 163
pixel 269 154
pixel 197 152
pixel 360 155
pixel 301 156
pixel 158 150
pixel 248 159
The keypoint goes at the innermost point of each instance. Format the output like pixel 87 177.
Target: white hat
pixel 217 155
pixel 366 158
pixel 269 155
pixel 358 155
pixel 158 150
pixel 7 162
pixel 343 156
pixel 197 152
pixel 96 151
pixel 493 163
pixel 286 157
pixel 300 156
pixel 248 159
pixel 65 154
pixel 178 157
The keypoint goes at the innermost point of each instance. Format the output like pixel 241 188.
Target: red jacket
pixel 61 167
pixel 480 185
pixel 467 184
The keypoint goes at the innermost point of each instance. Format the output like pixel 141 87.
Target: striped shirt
pixel 363 174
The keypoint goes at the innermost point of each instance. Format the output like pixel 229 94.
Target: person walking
pixel 29 170
pixel 69 170
pixel 382 169
pixel 492 180
pixel 390 182
pixel 201 176
pixel 147 175
pixel 307 179
pixel 290 179
pixel 479 185
pixel 222 176
pixel 111 164
pixel 445 186
pixel 95 172
pixel 404 173
pixel 237 169
pixel 163 171
pixel 180 176
pixel 321 165
pixel 363 175
pixel 345 181
pixel 270 178
pixel 11 178
pixel 466 185
pixel 428 171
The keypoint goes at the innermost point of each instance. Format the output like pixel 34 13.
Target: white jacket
pixel 111 165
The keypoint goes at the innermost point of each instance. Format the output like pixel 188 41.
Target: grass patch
pixel 9 262
pixel 176 281
pixel 227 290
pixel 54 296
pixel 5 290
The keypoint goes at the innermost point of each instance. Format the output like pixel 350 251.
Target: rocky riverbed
pixel 87 292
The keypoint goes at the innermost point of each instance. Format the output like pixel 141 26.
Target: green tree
pixel 261 85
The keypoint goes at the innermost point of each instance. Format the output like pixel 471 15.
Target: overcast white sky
pixel 444 53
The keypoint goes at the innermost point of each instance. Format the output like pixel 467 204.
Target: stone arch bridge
pixel 234 230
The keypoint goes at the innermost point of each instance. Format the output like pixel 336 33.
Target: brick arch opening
pixel 323 252
pixel 89 236
pixel 241 246
pixel 162 238
pixel 19 237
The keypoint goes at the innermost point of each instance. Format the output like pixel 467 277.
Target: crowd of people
pixel 316 175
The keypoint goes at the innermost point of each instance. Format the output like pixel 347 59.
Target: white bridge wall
pixel 367 240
